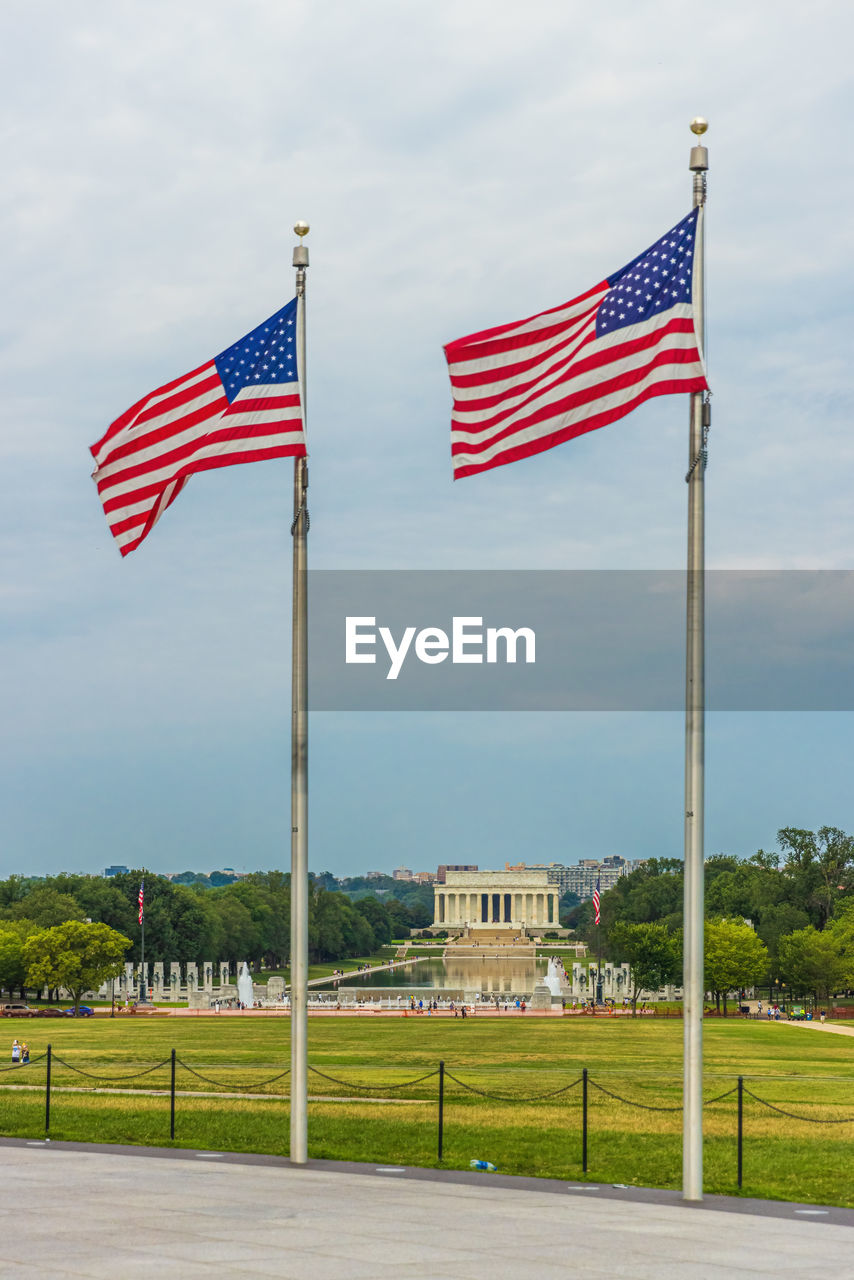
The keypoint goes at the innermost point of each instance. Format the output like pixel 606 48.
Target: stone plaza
pixel 185 1215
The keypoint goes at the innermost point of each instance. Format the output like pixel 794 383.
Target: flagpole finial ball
pixel 302 228
pixel 699 126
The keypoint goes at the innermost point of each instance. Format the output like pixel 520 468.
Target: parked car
pixel 83 1012
pixel 51 1013
pixel 12 1009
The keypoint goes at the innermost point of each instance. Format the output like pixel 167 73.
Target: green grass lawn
pixel 802 1071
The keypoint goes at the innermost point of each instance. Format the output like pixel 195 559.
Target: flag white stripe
pixel 255 417
pixel 268 391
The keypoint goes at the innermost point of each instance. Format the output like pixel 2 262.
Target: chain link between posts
pixel 512 1097
pixel 90 1075
pixel 230 1084
pixel 374 1088
pixel 791 1114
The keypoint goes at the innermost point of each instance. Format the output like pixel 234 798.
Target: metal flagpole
pixel 299 758
pixel 693 985
pixel 143 994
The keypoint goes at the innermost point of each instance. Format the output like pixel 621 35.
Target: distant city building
pixel 461 866
pixel 581 878
pixel 425 877
pixel 375 875
pixel 115 871
pixel 401 873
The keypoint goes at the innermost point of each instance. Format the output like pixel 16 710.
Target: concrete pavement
pixel 69 1211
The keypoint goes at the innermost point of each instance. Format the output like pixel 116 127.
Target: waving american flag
pixel 522 388
pixel 241 406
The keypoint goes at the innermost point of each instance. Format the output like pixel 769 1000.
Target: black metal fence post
pixel 740 1125
pixel 172 1101
pixel 441 1106
pixel 47 1092
pixel 584 1120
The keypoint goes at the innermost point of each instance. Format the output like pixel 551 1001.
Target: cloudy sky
pixel 461 165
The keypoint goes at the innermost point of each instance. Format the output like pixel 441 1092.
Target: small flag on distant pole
pixel 596 902
pixel 242 406
pixel 141 901
pixel 525 387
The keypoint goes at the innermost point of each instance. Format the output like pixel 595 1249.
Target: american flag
pixel 241 406
pixel 524 387
pixel 596 902
pixel 141 900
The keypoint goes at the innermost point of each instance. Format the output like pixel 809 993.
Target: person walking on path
pixel 16 1052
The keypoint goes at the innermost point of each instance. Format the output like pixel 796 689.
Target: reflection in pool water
pixel 484 974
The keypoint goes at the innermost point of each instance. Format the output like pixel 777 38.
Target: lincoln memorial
pixel 521 901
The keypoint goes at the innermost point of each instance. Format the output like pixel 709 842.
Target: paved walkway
pixel 820 1026
pixel 95 1213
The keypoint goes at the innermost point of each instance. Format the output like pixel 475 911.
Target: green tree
pixel 652 953
pixel 46 906
pixel 276 889
pixel 734 958
pixel 651 894
pixel 377 916
pixel 13 969
pixel 75 955
pixel 238 936
pixel 776 922
pixel 818 961
pixel 819 865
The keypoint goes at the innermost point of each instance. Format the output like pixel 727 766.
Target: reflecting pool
pixel 511 975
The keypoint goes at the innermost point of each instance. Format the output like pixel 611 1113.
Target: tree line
pixel 247 920
pixel 784 919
